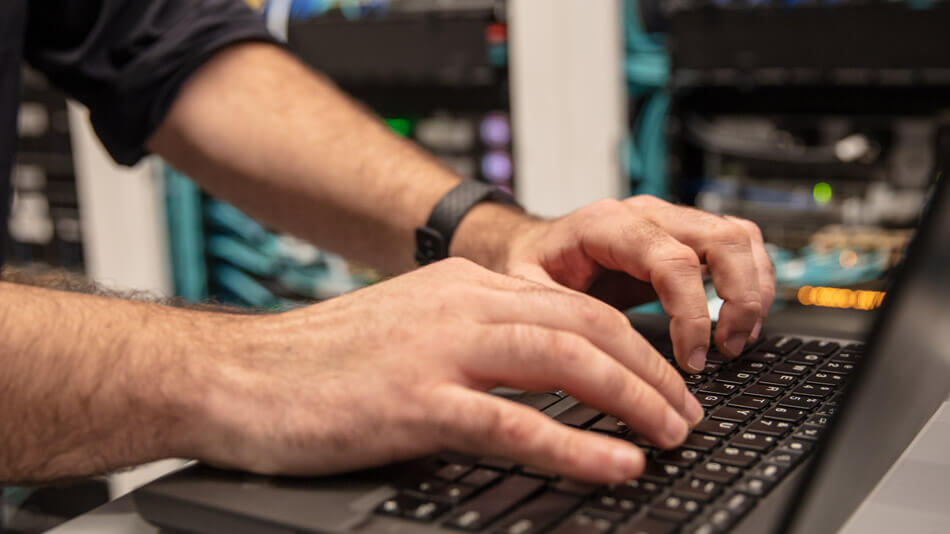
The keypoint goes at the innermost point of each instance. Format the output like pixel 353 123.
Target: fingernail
pixel 755 330
pixel 626 461
pixel 676 428
pixel 694 411
pixel 735 344
pixel 697 360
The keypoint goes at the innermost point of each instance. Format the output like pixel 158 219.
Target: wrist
pixel 487 232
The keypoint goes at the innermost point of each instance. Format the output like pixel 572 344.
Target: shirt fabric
pixel 125 60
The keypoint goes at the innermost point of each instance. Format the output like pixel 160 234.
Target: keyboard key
pixel 728 413
pixel 682 457
pixel 837 368
pixel 675 509
pixel 693 380
pixel 574 487
pixel 762 390
pixel 718 521
pixel 754 486
pixel 845 357
pixel 733 377
pixel 808 432
pixel 579 415
pixel 715 428
pixel 797 445
pixel 453 493
pixel 783 413
pixel 697 489
pixel 813 390
pixel 780 344
pixel 491 504
pixel 481 477
pixel 800 402
pixel 715 356
pixel 857 348
pixel 751 440
pixel 649 525
pixel 538 401
pixel 770 427
pixel 823 348
pixel 783 458
pixel 583 523
pixel 453 472
pixel 711 367
pixel 735 456
pixel 747 366
pixel 500 464
pixel 718 388
pixel 411 507
pixel 616 505
pixel 538 514
pixel 708 401
pixel 660 473
pixel 762 357
pixel 796 369
pixel 701 442
pixel 610 425
pixel 770 472
pixel 738 504
pixel 717 472
pixel 804 359
pixel 638 491
pixel 827 410
pixel 751 403
pixel 776 379
pixel 819 420
pixel 826 379
pixel 537 472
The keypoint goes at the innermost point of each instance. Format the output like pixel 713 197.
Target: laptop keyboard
pixel 764 412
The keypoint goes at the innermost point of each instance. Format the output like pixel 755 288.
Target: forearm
pixel 258 129
pixel 92 384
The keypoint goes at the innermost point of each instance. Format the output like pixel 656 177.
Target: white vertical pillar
pixel 568 101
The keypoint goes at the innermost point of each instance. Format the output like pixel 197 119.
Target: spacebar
pixel 539 514
pixel 485 508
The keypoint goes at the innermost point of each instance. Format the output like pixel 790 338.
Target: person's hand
pixel 400 369
pixel 633 251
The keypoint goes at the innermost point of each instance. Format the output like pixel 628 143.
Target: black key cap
pixel 708 401
pixel 826 379
pixel 733 377
pixel 827 410
pixel 482 510
pixel 762 357
pixel 615 505
pixel 747 366
pixel 770 472
pixel 808 432
pixel 783 413
pixel 538 401
pixel 776 379
pixel 783 458
pixel 583 523
pixel 813 390
pixel 797 445
pixel 660 473
pixel 501 464
pixel 692 380
pixel 823 348
pixel 799 401
pixel 538 514
pixel 718 521
pixel 411 507
pixel 750 403
pixel 846 357
pixel 791 368
pixel 701 442
pixel 754 486
pixel 579 415
pixel 770 427
pixel 681 457
pixel 423 484
pixel 649 525
pixel 780 344
pixel 481 477
pixel 715 356
pixel 819 420
pixel 717 472
pixel 612 517
pixel 804 358
pixel 854 347
pixel 728 413
pixel 751 440
pixel 574 487
pixel 675 509
pixel 711 367
pixel 453 472
pixel 638 491
pixel 611 425
pixel 738 504
pixel 735 456
pixel 696 489
pixel 454 493
pixel 762 390
pixel 538 472
pixel 837 368
pixel 716 428
pixel 718 388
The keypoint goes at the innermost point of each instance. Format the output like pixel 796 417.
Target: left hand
pixel 633 251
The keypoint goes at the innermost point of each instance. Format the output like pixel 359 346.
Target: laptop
pixel 799 431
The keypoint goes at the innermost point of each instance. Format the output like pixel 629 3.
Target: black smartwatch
pixel 433 239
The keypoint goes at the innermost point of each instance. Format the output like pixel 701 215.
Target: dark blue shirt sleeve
pixel 126 60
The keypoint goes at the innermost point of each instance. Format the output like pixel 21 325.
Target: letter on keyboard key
pixel 751 403
pixel 483 509
pixel 728 413
pixel 538 514
pixel 771 427
pixel 715 428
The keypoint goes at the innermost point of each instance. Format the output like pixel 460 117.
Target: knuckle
pixel 677 257
pixel 731 234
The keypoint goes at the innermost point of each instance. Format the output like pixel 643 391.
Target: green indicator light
pixel 403 127
pixel 821 192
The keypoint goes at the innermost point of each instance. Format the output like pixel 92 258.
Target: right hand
pixel 400 369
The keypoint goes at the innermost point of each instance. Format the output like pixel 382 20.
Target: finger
pixel 481 424
pixel 607 328
pixel 764 267
pixel 619 240
pixel 537 359
pixel 726 248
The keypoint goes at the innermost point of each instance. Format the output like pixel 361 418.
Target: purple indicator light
pixel 496 167
pixel 495 130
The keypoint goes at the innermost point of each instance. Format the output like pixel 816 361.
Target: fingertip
pixel 697 360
